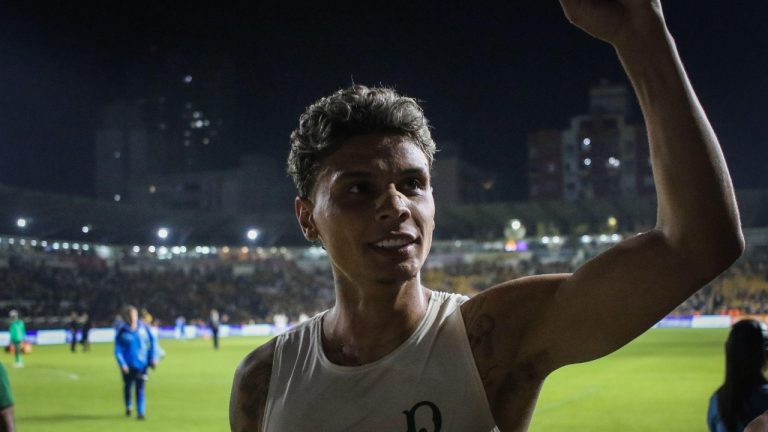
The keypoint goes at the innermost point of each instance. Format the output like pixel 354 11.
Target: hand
pixel 615 21
pixel 125 369
pixel 152 364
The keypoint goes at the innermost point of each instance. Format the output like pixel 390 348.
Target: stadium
pixel 265 281
pixel 465 160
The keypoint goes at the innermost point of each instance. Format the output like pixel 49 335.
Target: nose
pixel 391 205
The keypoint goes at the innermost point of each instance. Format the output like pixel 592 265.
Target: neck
pixel 367 323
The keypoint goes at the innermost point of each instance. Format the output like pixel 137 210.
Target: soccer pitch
pixel 661 381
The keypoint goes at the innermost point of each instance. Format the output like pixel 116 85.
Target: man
pixel 73 326
pixel 134 351
pixel 393 355
pixel 85 327
pixel 18 334
pixel 7 420
pixel 214 322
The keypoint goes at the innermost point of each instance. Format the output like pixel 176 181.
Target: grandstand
pixel 52 266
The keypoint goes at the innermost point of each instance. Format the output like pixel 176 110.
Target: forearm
pixel 697 207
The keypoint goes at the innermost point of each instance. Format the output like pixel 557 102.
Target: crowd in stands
pixel 46 287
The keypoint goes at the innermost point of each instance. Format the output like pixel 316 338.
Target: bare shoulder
pixel 250 388
pixel 502 324
pixel 511 307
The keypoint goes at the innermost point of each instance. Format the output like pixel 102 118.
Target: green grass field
pixel 661 381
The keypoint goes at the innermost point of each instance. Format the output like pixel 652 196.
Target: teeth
pixel 392 243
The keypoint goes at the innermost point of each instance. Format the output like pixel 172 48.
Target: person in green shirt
pixel 7 422
pixel 18 335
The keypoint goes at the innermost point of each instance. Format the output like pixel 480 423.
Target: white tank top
pixel 428 384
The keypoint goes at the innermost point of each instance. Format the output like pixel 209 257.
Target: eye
pixel 358 188
pixel 414 183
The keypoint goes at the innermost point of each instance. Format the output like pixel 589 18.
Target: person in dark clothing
pixel 214 321
pixel 744 394
pixel 73 328
pixel 85 328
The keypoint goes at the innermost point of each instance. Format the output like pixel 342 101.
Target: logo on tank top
pixel 421 408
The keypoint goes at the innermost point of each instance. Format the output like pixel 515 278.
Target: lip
pixel 405 249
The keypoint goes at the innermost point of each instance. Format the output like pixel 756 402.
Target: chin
pixel 403 273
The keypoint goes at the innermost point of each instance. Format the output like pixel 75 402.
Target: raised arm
pixel 541 323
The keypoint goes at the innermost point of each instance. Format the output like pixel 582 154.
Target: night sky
pixel 488 73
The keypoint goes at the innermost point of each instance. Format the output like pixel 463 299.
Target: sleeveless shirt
pixel 429 383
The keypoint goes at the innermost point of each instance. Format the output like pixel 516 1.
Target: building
pixel 602 154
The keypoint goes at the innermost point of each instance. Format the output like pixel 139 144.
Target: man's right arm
pixel 250 388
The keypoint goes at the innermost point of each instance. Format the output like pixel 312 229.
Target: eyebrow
pixel 352 175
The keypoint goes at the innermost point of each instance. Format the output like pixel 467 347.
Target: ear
pixel 303 208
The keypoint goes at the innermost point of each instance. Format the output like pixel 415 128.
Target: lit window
pixel 613 162
pixel 117 155
pixel 197 114
pixel 187 79
pixel 152 189
pixel 586 142
pixel 587 162
pixel 116 197
pixel 206 141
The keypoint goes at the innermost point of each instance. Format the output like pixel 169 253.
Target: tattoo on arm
pixel 250 390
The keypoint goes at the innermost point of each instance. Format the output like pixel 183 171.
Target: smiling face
pixel 372 209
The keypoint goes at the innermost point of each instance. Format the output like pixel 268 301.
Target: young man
pixel 393 355
pixel 135 353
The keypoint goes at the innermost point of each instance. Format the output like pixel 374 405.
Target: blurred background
pixel 142 160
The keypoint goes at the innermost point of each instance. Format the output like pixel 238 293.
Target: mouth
pixel 400 243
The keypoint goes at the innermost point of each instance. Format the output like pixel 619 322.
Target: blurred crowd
pixel 47 288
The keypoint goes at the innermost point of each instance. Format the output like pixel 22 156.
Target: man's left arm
pixel 563 319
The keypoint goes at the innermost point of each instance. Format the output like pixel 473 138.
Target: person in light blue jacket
pixel 135 353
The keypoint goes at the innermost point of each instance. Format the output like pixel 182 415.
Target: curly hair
pixel 355 110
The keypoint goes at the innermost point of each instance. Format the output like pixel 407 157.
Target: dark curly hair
pixel 355 110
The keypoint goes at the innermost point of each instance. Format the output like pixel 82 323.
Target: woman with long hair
pixel 744 394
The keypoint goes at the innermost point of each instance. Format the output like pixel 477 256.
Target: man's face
pixel 372 209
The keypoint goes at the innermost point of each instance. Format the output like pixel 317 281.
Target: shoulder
pixel 250 388
pixel 509 312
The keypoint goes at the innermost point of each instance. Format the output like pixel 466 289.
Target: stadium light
pixel 252 234
pixel 86 229
pixel 22 222
pixel 162 233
